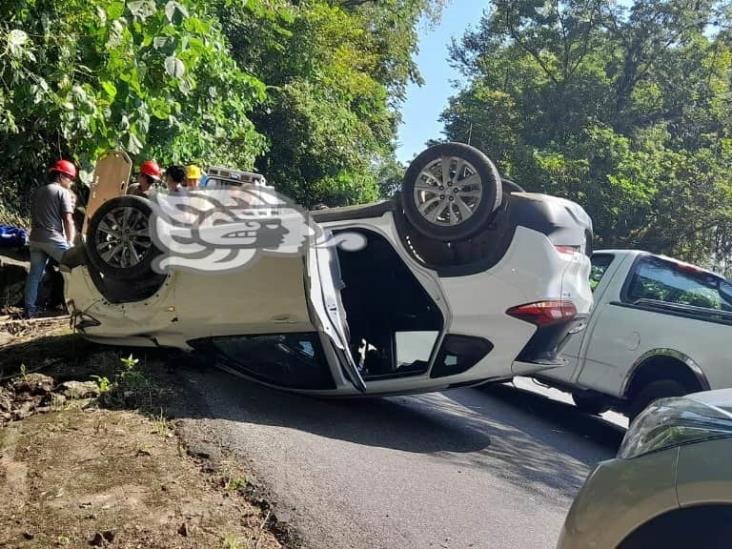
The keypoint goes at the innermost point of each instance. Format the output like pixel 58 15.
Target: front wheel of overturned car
pixel 119 244
pixel 451 191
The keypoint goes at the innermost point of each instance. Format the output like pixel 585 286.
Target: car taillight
pixel 567 250
pixel 545 313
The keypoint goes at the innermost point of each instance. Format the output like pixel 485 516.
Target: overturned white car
pixel 460 279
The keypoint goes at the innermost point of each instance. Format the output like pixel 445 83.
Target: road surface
pixel 468 468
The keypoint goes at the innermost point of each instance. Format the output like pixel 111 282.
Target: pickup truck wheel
pixel 653 391
pixel 451 191
pixel 589 403
pixel 118 242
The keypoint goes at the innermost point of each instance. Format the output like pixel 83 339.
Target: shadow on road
pixel 561 415
pixel 399 423
pixel 538 443
pixel 544 446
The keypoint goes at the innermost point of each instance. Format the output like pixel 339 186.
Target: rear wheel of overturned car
pixel 119 244
pixel 451 191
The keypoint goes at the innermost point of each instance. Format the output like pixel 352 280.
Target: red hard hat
pixel 65 167
pixel 150 168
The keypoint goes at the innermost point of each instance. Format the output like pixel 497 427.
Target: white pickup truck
pixel 659 328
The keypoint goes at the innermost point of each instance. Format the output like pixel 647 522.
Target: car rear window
pixel 659 280
pixel 600 263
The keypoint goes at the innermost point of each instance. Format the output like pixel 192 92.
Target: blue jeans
pixel 39 254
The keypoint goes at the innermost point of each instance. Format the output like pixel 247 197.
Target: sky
pixel 423 105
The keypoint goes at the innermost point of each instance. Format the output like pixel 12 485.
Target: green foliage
pixel 233 481
pixel 332 71
pixel 596 274
pixel 698 297
pixel 103 383
pixel 151 76
pixel 389 173
pixel 623 110
pixel 129 362
pixel 162 426
pixel 232 541
pixel 305 88
pixel 130 386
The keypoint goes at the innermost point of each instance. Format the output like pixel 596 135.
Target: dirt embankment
pixel 89 458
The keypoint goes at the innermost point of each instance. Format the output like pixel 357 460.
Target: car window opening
pixel 394 324
pixel 600 264
pixel 293 360
pixel 663 281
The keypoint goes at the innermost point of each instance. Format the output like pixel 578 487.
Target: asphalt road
pixel 468 468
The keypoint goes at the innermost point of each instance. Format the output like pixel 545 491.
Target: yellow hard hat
pixel 193 172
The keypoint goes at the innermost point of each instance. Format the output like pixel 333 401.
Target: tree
pixel 153 77
pixel 303 90
pixel 625 111
pixel 335 72
pixel 389 173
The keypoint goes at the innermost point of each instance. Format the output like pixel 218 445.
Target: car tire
pixel 703 526
pixel 122 223
pixel 451 191
pixel 651 392
pixel 590 403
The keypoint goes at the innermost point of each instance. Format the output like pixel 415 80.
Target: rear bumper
pixel 543 351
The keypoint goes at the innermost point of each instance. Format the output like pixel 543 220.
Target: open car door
pixel 324 292
pixel 111 177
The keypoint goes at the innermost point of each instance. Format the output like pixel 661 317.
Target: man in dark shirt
pixel 52 229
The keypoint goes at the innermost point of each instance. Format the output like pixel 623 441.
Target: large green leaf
pixel 110 89
pixel 173 8
pixel 142 9
pixel 115 9
pixel 134 145
pixel 174 66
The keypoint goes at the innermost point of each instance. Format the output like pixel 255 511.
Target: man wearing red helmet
pixel 149 175
pixel 52 229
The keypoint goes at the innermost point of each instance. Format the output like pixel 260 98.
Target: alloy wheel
pixel 123 237
pixel 448 191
